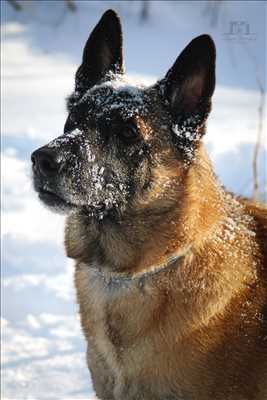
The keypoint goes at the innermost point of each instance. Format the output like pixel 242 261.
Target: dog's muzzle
pixel 46 167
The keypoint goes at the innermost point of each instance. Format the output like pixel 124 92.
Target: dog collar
pixel 172 262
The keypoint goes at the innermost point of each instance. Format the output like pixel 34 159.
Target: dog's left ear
pixel 190 83
pixel 102 52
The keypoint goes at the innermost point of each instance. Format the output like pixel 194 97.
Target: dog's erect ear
pixel 102 52
pixel 190 82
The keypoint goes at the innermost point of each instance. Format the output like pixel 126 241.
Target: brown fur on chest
pixel 172 330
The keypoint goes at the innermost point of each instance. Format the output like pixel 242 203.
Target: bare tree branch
pixel 15 5
pixel 258 141
pixel 260 83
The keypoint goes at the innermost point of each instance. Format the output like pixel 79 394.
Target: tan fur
pixel 196 331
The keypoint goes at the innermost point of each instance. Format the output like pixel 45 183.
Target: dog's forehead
pixel 116 97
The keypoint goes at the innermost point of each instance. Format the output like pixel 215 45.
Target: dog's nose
pixel 45 162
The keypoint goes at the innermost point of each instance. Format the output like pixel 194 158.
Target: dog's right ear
pixel 102 52
pixel 189 84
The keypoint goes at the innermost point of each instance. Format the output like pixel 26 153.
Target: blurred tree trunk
pixel 71 5
pixel 145 10
pixel 212 11
pixel 15 5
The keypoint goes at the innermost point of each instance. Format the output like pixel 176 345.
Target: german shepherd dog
pixel 171 270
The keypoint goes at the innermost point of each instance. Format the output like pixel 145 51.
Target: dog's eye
pixel 128 133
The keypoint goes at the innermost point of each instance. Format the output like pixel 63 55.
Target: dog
pixel 170 269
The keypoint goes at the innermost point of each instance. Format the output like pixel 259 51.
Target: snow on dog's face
pixel 122 140
pixel 102 149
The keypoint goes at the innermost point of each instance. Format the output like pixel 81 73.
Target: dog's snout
pixel 45 162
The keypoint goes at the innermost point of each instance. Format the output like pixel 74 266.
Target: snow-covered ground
pixel 43 352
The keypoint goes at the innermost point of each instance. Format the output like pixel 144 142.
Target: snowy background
pixel 43 352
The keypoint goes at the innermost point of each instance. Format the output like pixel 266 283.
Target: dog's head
pixel 118 135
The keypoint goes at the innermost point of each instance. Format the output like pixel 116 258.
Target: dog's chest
pixel 112 313
pixel 120 320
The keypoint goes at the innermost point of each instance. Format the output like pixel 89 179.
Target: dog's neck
pixel 172 262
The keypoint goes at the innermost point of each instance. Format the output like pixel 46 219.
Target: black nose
pixel 45 162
